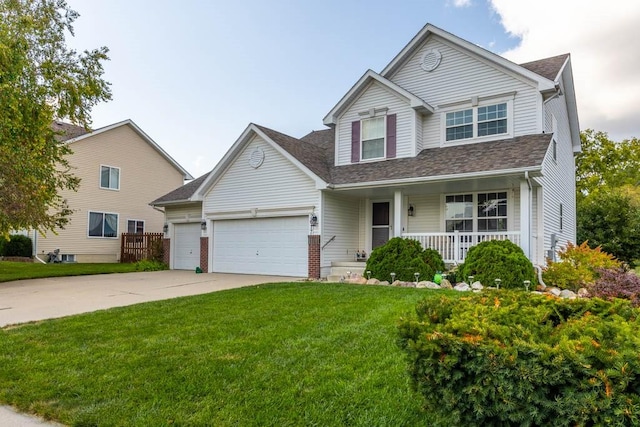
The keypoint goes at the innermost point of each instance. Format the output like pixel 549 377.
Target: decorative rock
pixel 541 287
pixel 422 284
pixel 566 293
pixel 445 284
pixel 432 285
pixel 554 291
pixel 583 293
pixel 462 287
pixel 477 286
pixel 357 280
pixel 397 283
pixel 373 282
pixel 384 283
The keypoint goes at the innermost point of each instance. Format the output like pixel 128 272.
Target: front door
pixel 380 224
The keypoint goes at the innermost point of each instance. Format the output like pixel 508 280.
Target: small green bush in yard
pixel 498 259
pixel 512 358
pixel 404 257
pixel 150 265
pixel 18 245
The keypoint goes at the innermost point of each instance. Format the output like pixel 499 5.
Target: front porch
pixel 453 247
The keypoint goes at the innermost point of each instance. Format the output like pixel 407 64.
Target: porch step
pixel 343 269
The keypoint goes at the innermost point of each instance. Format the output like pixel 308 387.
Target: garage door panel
pixel 275 246
pixel 186 251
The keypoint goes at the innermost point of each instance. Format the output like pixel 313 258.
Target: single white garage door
pixel 272 246
pixel 186 251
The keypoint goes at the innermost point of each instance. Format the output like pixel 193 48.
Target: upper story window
pixel 480 118
pixel 102 224
pixel 109 177
pixel 373 138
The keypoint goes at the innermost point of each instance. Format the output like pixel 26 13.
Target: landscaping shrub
pixel 578 267
pixel 513 358
pixel 19 245
pixel 498 259
pixel 617 283
pixel 404 257
pixel 150 265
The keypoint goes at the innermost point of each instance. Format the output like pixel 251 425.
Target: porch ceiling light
pixel 411 210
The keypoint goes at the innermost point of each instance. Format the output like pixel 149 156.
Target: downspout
pixel 35 247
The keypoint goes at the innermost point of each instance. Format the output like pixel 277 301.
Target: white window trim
pixel 474 104
pixel 103 213
pixel 511 218
pixel 384 138
pixel 100 177
pixel 144 225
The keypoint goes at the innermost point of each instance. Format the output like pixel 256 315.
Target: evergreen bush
pixel 404 257
pixel 18 245
pixel 498 259
pixel 513 358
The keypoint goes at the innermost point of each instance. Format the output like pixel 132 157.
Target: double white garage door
pixel 272 246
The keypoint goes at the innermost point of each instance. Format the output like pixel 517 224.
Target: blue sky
pixel 193 74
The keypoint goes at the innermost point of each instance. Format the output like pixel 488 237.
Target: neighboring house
pixel 121 168
pixel 450 145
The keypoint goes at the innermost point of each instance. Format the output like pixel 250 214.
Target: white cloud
pixel 460 3
pixel 603 41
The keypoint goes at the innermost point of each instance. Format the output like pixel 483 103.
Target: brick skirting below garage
pixel 314 256
pixel 204 254
pixel 166 251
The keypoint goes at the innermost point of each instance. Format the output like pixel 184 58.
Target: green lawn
pixel 32 270
pixel 271 355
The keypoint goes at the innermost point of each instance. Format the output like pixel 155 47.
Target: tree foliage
pixel 41 80
pixel 605 164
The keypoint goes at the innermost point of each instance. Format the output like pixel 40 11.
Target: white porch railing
pixel 454 246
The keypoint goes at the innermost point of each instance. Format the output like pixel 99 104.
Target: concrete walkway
pixel 39 299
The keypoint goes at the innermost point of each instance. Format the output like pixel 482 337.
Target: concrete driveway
pixel 39 299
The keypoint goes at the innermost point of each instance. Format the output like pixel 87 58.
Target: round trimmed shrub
pixel 19 245
pixel 405 257
pixel 498 259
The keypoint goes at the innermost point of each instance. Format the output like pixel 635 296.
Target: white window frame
pixel 384 138
pixel 474 104
pixel 67 258
pixel 496 217
pixel 103 221
pixel 511 219
pixel 136 221
pixel 117 188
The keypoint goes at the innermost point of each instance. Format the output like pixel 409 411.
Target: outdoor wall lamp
pixel 165 228
pixel 313 220
pixel 203 225
pixel 411 210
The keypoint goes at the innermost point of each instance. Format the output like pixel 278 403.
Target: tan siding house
pixel 121 170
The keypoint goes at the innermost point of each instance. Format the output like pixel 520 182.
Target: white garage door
pixel 186 251
pixel 274 246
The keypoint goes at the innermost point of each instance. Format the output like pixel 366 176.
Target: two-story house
pixel 449 144
pixel 121 168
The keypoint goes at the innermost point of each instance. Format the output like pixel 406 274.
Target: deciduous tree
pixel 41 80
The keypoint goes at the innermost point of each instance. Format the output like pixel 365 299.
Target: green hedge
pixel 18 245
pixel 404 257
pixel 511 358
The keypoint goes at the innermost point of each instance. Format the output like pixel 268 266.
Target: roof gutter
pixel 438 178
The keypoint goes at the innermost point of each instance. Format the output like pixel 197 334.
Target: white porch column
pixel 397 213
pixel 525 217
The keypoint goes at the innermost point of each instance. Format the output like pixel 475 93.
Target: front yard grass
pixel 30 270
pixel 270 355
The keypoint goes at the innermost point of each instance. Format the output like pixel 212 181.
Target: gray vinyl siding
pixel 376 96
pixel 277 183
pixel 341 219
pixel 459 77
pixel 559 180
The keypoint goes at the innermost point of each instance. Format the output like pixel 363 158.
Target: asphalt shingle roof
pixel 67 131
pixel 181 193
pixel 547 67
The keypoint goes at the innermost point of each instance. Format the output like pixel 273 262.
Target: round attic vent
pixel 431 59
pixel 256 158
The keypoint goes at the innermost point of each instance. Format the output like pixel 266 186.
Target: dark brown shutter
pixel 355 141
pixel 391 136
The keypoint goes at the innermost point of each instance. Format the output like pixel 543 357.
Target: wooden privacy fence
pixel 138 246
